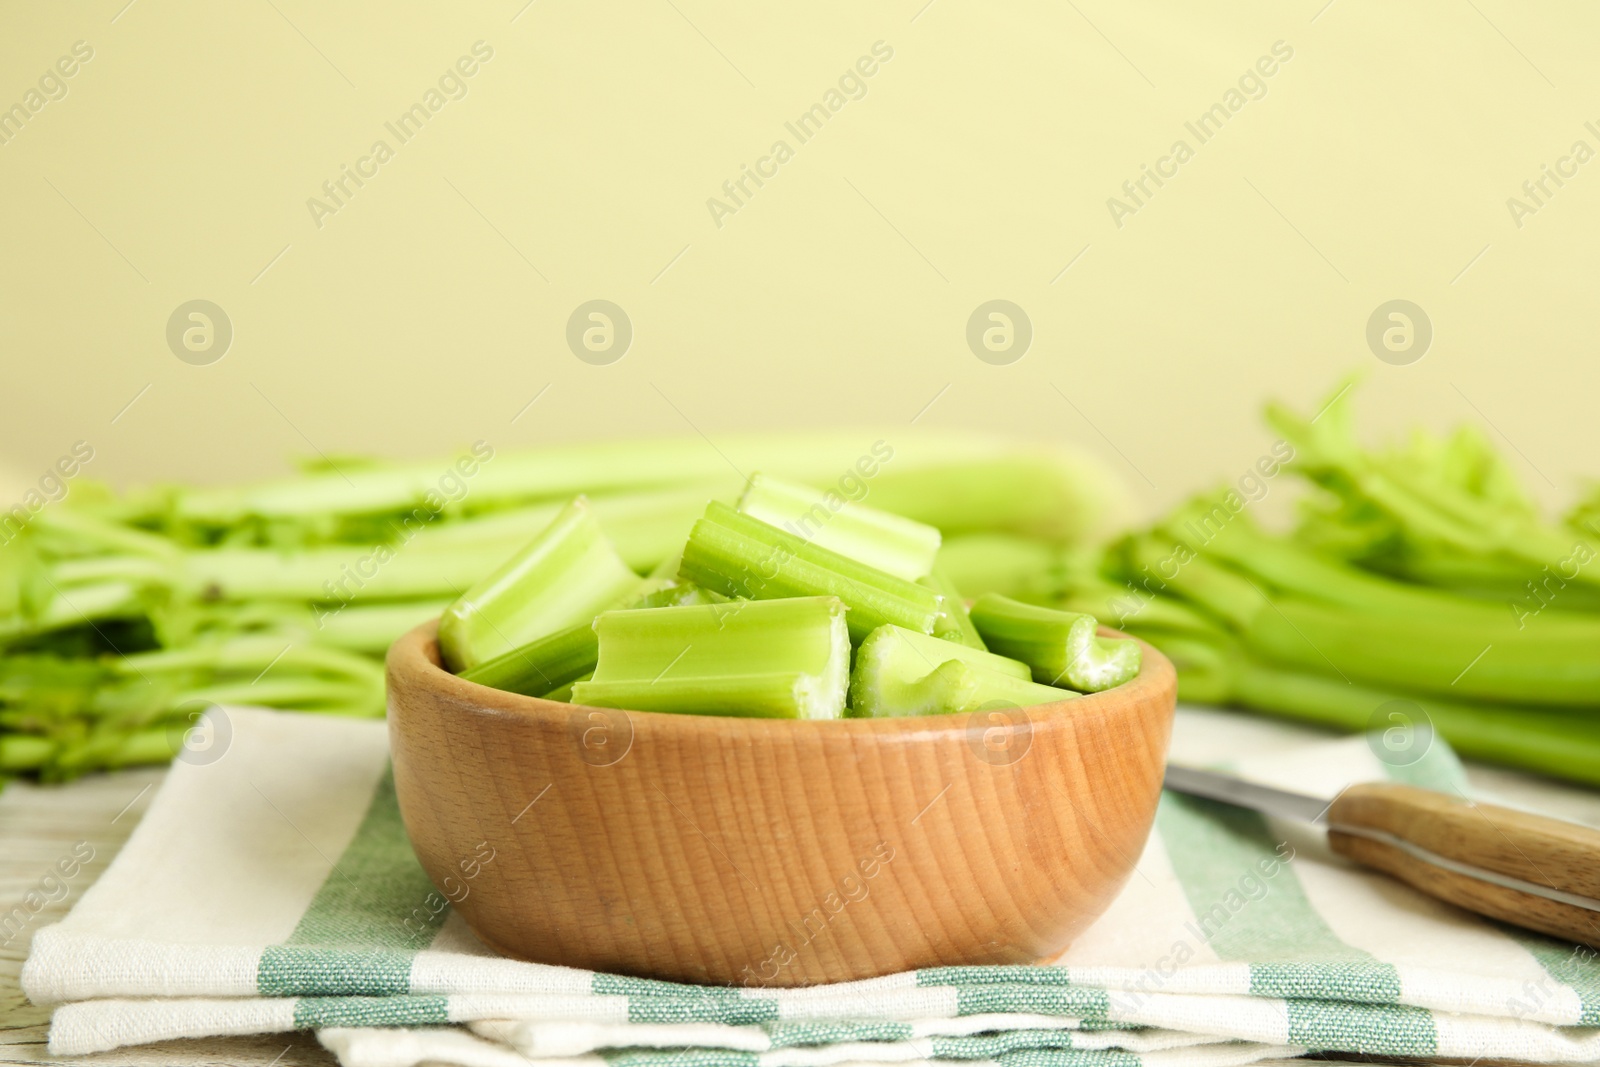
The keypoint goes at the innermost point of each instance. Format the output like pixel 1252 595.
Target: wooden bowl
pixel 772 853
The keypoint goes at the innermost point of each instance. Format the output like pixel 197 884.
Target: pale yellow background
pixel 978 166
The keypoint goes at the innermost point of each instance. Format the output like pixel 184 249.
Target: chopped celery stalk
pixel 561 578
pixel 556 660
pixel 891 543
pixel 563 694
pixel 922 653
pixel 540 666
pixel 1058 645
pixel 894 677
pixel 667 569
pixel 739 556
pixel 953 623
pixel 780 659
pixel 677 595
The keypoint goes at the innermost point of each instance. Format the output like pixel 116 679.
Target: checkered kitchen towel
pixel 274 889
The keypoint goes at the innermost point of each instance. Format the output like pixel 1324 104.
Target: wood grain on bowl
pixel 774 853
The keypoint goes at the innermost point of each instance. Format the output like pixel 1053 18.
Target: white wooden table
pixel 40 824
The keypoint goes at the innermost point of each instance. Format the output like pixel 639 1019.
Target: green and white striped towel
pixel 274 889
pixel 497 1047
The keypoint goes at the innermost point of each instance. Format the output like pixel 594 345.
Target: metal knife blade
pixel 1279 803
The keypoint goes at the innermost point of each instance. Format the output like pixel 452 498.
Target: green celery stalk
pixel 952 688
pixel 1056 644
pixel 787 659
pixel 561 578
pixel 645 527
pixel 1540 664
pixel 739 556
pixel 505 480
pixel 437 562
pixel 365 628
pixel 1291 567
pixel 899 672
pixel 1003 563
pixel 76 530
pixel 1205 672
pixel 372 628
pixel 1219 590
pixel 923 653
pixel 672 593
pixel 889 542
pixel 949 480
pixel 1329 589
pixel 251 655
pixel 1542 740
pixel 539 666
pixel 1497 580
pixel 1033 490
pixel 953 623
pixel 417 571
pixel 1562 742
pixel 332 697
pixel 82 605
pixel 24 752
pixel 556 660
pixel 563 694
pixel 1128 607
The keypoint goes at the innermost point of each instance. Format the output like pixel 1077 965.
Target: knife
pixel 1524 869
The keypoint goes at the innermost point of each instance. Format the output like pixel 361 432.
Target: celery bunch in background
pixel 1448 512
pixel 1421 574
pixel 119 612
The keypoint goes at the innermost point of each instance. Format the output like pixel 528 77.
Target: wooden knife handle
pixel 1426 839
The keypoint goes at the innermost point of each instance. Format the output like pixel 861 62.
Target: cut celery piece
pixel 739 556
pixel 783 659
pixel 675 594
pixel 564 693
pixel 922 653
pixel 953 623
pixel 561 578
pixel 540 666
pixel 667 570
pixel 894 677
pixel 1058 645
pixel 557 659
pixel 891 543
